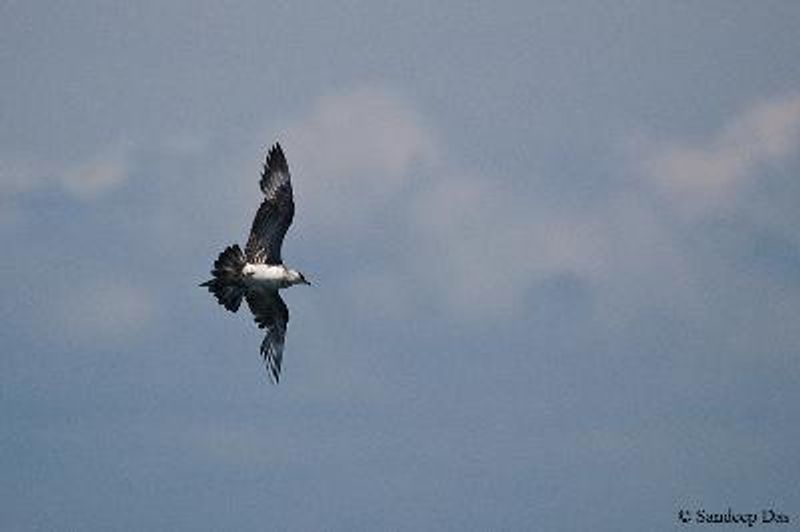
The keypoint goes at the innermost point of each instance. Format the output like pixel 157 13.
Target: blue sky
pixel 554 247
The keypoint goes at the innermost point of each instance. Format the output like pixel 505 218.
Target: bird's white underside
pixel 266 276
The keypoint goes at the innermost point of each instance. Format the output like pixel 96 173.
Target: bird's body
pixel 269 277
pixel 257 273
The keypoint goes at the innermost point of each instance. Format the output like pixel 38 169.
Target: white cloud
pixel 471 245
pixel 84 180
pixel 709 174
pixel 90 179
pixel 486 246
pixel 354 151
pixel 366 161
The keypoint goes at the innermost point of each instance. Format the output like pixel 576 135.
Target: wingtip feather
pixel 276 160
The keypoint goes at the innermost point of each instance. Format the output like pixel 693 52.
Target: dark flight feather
pixel 271 314
pixel 276 212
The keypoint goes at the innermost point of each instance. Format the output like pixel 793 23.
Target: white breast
pixel 264 275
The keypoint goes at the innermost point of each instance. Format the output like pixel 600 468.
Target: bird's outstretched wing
pixel 270 313
pixel 275 214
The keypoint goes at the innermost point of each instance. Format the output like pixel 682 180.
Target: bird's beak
pixel 306 281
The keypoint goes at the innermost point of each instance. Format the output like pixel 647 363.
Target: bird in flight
pixel 257 273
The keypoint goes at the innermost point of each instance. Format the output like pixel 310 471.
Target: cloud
pixel 710 174
pixel 85 180
pixel 378 190
pixel 367 161
pixel 486 246
pixel 91 179
pixel 478 249
pixel 356 150
pixel 373 175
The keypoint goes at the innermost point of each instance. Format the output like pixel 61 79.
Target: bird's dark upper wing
pixel 275 214
pixel 270 313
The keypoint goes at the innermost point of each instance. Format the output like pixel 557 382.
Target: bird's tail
pixel 227 285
